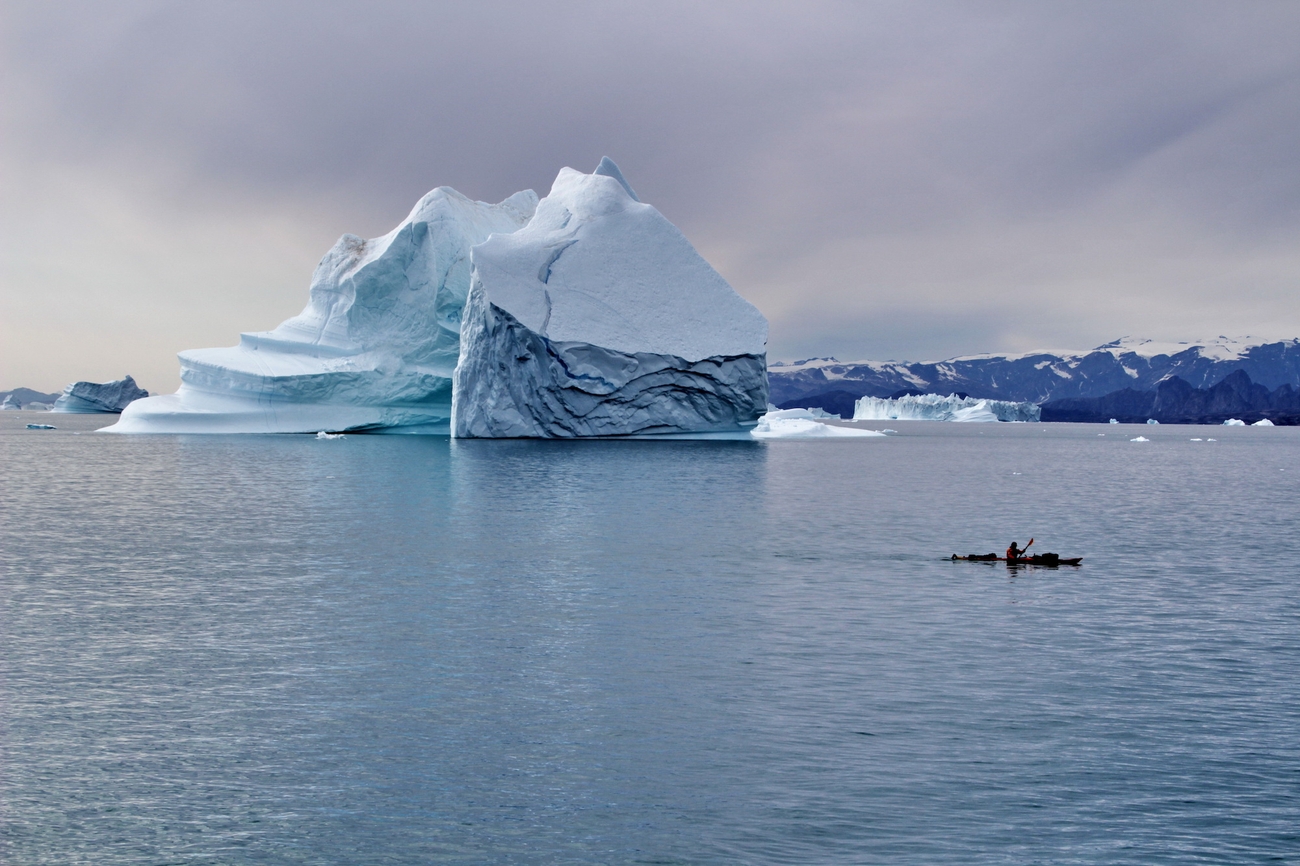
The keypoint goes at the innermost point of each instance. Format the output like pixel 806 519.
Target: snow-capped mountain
pixel 1040 376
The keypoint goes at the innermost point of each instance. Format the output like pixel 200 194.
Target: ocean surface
pixel 407 650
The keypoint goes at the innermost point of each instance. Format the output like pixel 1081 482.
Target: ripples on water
pixel 407 650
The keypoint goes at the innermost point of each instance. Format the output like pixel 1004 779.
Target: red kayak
pixel 1048 559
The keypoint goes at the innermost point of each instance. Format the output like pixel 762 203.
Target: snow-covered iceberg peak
pixel 599 318
pixel 374 348
pixel 934 407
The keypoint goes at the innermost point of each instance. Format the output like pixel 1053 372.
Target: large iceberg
pixel 92 398
pixel 599 318
pixel 934 407
pixel 374 349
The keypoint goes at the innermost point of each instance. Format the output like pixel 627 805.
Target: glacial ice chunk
pixel 374 348
pixel 934 407
pixel 802 424
pixel 1262 422
pixel 1140 439
pixel 1234 422
pixel 91 398
pixel 598 318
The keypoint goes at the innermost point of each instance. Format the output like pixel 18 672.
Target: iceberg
pixel 803 424
pixel 374 348
pixel 1262 422
pixel 1234 422
pixel 934 407
pixel 91 398
pixel 598 318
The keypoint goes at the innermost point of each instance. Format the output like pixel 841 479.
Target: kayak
pixel 1049 559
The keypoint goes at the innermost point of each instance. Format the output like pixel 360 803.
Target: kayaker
pixel 1015 552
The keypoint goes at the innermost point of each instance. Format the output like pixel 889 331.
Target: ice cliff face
pixel 89 398
pixel 374 348
pixel 933 407
pixel 599 318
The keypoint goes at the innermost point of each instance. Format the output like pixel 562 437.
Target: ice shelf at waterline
pixel 933 407
pixel 804 424
pixel 589 315
pixel 599 318
pixel 93 398
pixel 374 349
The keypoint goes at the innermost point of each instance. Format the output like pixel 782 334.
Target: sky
pixel 884 180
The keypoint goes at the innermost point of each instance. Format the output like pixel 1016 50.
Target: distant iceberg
pixel 1263 422
pixel 92 398
pixel 803 424
pixel 933 407
pixel 1234 422
pixel 599 318
pixel 374 349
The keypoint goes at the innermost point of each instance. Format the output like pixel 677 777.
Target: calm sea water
pixel 407 650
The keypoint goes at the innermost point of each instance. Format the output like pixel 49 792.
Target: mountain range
pixel 1174 401
pixel 1039 377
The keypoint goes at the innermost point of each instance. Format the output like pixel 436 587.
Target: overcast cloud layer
pixel 884 180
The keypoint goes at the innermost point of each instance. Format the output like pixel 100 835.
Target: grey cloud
pixel 1034 168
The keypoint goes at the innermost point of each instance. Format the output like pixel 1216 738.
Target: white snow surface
pixel 803 424
pixel 597 266
pixel 374 348
pixel 935 407
pixel 599 318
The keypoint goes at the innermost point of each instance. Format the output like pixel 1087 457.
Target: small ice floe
pixel 41 427
pixel 1196 440
pixel 1140 439
pixel 1114 420
pixel 1262 422
pixel 887 430
pixel 1211 440
pixel 801 424
pixel 1234 422
pixel 323 435
pixel 1152 421
pixel 1101 434
pixel 1017 473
